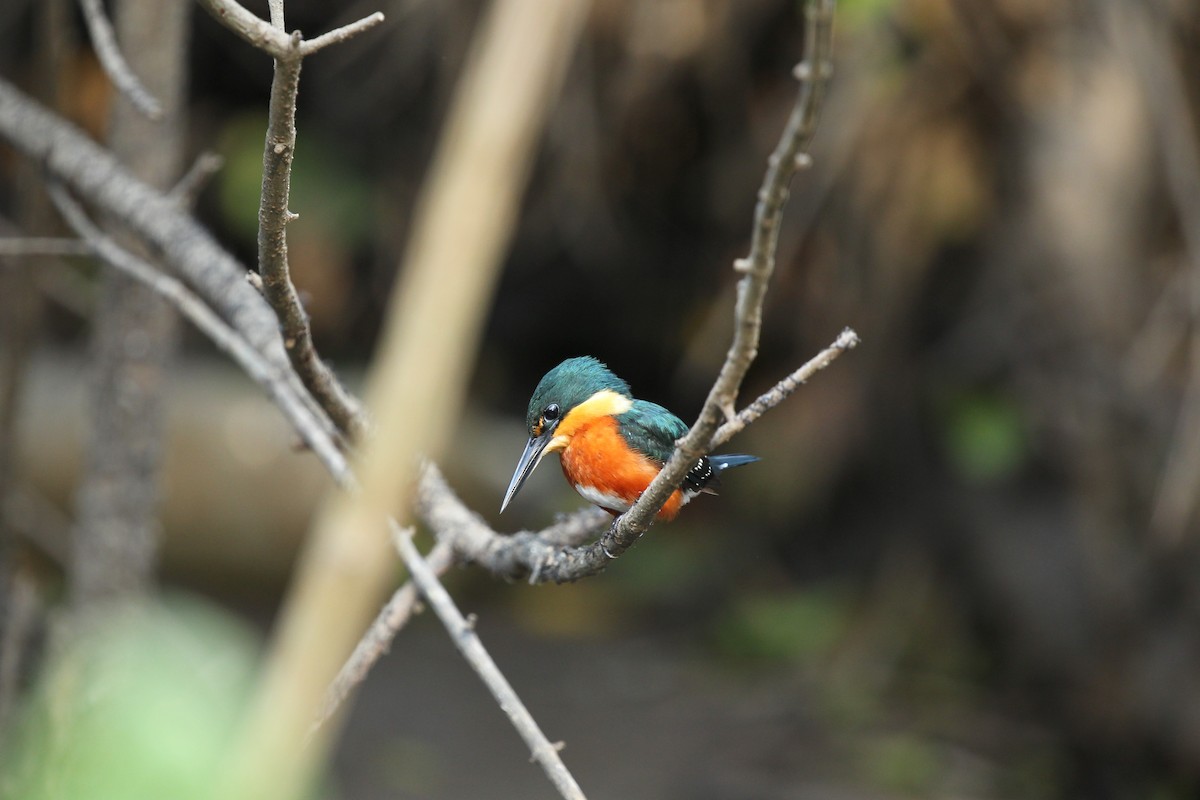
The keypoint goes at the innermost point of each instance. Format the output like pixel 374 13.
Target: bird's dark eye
pixel 551 412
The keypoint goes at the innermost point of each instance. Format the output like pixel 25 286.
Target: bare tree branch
pixel 273 212
pixel 462 633
pixel 553 556
pixel 339 35
pixel 847 340
pixel 265 374
pixel 273 217
pixel 462 535
pixel 273 40
pixel 105 43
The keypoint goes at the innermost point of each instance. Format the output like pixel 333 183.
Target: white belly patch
pixel 602 499
pixel 611 501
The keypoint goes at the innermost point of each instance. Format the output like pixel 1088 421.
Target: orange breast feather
pixel 597 456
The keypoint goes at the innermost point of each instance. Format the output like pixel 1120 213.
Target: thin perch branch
pixel 339 35
pixel 462 535
pixel 378 638
pixel 553 556
pixel 104 42
pixel 274 41
pixel 847 340
pixel 468 643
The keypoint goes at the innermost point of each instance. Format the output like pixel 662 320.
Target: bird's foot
pixel 612 533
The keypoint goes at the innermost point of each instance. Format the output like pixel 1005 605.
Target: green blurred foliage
pixel 902 763
pixel 326 191
pixel 985 436
pixel 855 14
pixel 143 706
pixel 790 625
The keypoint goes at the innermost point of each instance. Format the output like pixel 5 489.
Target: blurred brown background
pixel 965 566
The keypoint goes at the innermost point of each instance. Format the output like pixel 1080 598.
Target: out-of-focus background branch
pixel 964 566
pixel 134 331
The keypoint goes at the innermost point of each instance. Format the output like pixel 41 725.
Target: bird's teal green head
pixel 576 391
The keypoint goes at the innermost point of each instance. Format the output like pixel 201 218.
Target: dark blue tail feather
pixel 721 463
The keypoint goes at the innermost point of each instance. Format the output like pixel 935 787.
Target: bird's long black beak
pixel 532 456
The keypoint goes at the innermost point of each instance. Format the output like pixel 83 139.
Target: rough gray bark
pixel 134 333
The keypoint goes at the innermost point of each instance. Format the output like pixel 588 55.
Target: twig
pixel 104 41
pixel 339 35
pixel 378 638
pixel 22 246
pixel 188 188
pixel 462 535
pixel 274 41
pixel 847 340
pixel 463 634
pixel 292 406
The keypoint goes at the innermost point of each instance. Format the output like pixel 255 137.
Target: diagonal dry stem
pixel 462 633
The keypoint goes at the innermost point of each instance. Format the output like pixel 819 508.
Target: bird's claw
pixel 612 532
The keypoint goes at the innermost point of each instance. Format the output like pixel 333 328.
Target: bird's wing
pixel 651 430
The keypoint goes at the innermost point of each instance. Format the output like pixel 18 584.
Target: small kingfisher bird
pixel 611 446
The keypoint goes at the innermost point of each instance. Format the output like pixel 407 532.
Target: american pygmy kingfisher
pixel 611 446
